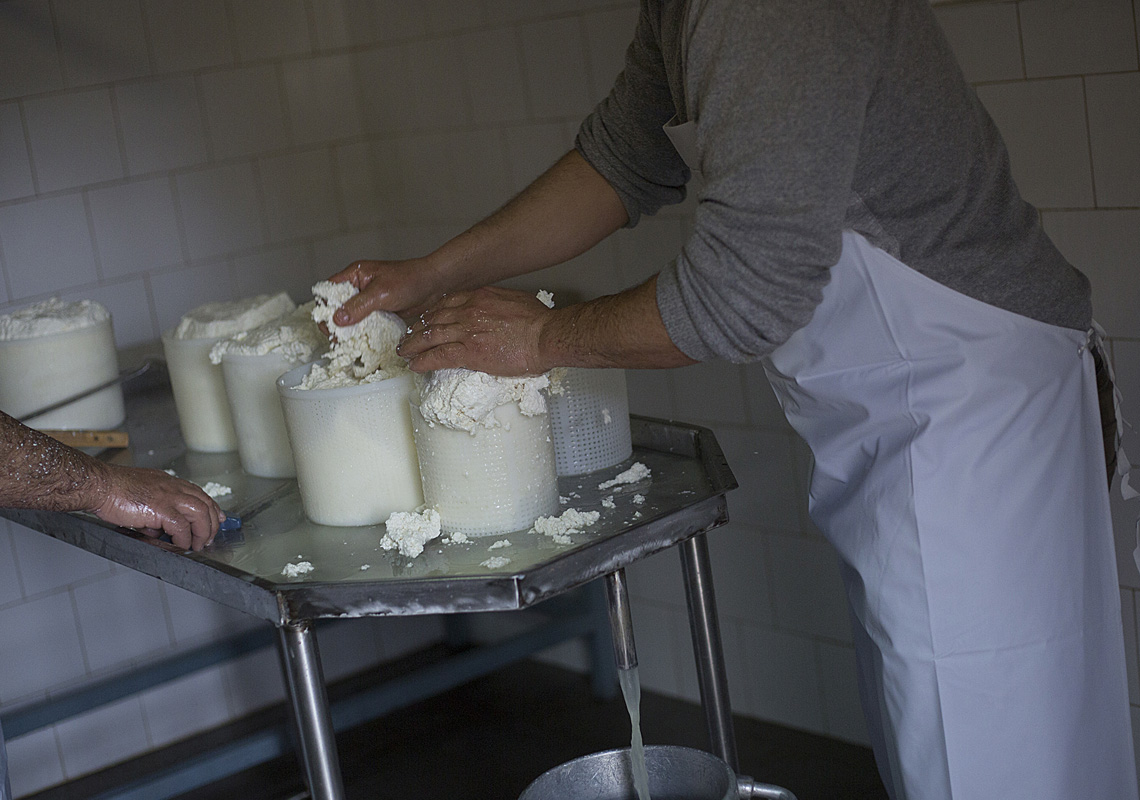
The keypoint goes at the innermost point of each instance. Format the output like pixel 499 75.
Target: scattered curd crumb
pixel 459 537
pixel 570 521
pixel 410 531
pixel 297 570
pixel 171 472
pixel 500 543
pixel 637 515
pixel 638 472
pixel 608 502
pixel 216 490
pixel 494 562
pixel 364 567
pixel 638 499
pixel 546 298
pixel 563 500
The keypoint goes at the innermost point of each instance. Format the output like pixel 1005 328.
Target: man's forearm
pixel 40 472
pixel 562 214
pixel 623 330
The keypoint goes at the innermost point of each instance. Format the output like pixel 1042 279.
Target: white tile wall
pixel 136 227
pixel 42 647
pixel 185 37
pixel 101 40
pixel 555 63
pixel 10 590
pixel 220 210
pixel 159 154
pixel 31 55
pixel 268 28
pixel 52 122
pixel 185 706
pixel 1043 123
pixel 15 167
pixel 1065 38
pixel 1114 123
pixel 122 619
pixel 321 95
pixel 1104 245
pixel 244 111
pixel 300 195
pixel 986 39
pixel 46 245
pixel 492 65
pixel 34 762
pixel 85 743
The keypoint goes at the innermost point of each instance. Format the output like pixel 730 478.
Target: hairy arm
pixel 505 332
pixel 40 472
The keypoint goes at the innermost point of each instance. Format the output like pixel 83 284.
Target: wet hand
pixel 492 330
pixel 154 502
pixel 402 287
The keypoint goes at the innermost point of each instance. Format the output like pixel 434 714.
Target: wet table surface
pixel 353 575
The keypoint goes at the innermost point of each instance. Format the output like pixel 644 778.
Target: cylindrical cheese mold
pixel 590 421
pixel 491 480
pixel 199 394
pixel 40 370
pixel 251 387
pixel 353 448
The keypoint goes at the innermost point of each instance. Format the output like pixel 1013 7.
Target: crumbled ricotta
pixel 410 531
pixel 500 543
pixel 638 472
pixel 364 352
pixel 227 317
pixel 463 399
pixel 297 570
pixel 293 335
pixel 51 316
pixel 569 521
pixel 546 298
pixel 215 490
pixel 608 502
pixel 638 499
pixel 459 537
pixel 494 562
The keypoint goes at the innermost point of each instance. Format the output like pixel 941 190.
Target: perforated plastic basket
pixel 494 480
pixel 353 448
pixel 590 421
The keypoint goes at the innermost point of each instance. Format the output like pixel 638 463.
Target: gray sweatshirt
pixel 814 117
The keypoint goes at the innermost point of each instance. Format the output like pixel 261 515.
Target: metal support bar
pixel 697 571
pixel 306 686
pixel 621 622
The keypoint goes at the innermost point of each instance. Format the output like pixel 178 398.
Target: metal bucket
pixel 675 773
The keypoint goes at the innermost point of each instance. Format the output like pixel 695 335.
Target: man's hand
pixel 402 287
pixel 492 330
pixel 154 502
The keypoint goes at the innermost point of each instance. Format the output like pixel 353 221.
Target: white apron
pixel 959 471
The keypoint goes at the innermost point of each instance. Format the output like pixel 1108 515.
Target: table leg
pixel 306 687
pixel 703 624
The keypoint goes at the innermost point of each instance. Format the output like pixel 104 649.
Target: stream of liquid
pixel 631 690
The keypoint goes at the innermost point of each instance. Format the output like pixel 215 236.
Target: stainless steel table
pixel 354 577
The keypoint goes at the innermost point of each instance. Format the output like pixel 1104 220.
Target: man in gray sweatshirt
pixel 858 229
